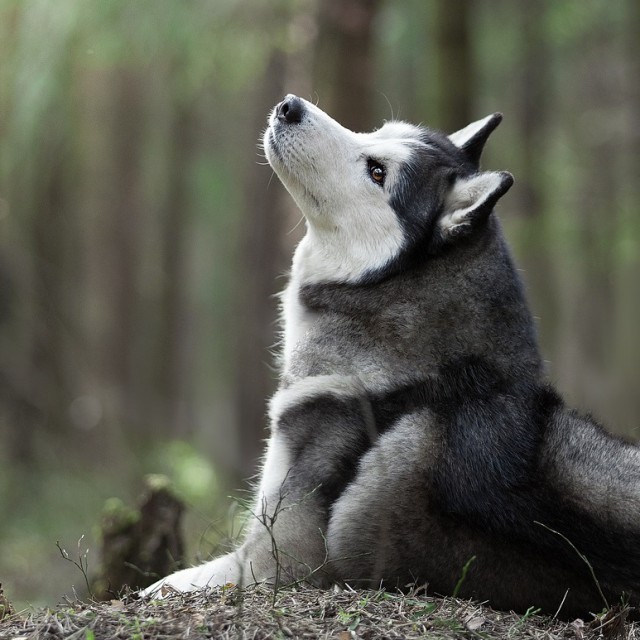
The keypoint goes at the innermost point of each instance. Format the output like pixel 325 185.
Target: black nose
pixel 290 110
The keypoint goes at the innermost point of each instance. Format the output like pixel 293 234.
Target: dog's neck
pixel 474 288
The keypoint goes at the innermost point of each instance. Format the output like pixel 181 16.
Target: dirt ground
pixel 300 612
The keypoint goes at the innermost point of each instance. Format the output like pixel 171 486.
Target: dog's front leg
pixel 285 539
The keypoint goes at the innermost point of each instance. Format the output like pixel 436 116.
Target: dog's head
pixel 374 199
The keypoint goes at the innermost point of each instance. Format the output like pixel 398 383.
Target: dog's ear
pixel 470 201
pixel 473 137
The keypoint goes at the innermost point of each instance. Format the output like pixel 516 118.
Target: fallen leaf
pixel 475 623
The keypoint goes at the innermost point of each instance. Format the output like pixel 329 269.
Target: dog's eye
pixel 377 172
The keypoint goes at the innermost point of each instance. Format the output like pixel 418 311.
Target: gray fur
pixel 414 429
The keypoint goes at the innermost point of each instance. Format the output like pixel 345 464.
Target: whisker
pixel 296 225
pixel 384 95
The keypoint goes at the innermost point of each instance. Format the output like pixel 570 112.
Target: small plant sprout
pixel 82 562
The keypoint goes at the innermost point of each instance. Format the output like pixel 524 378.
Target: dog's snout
pixel 290 110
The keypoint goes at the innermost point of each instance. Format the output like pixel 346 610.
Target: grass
pixel 301 612
pixel 296 611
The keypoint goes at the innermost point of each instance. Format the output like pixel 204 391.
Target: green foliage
pixel 118 515
pixel 568 24
pixel 190 472
pixel 463 575
pixel 40 507
pixel 195 39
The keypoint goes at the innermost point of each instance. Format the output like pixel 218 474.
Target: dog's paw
pixel 219 572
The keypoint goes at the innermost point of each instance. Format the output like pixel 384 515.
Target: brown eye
pixel 377 172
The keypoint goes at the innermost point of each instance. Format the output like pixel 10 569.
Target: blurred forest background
pixel 142 240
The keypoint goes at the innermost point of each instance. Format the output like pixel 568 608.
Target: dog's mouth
pixel 280 152
pixel 272 146
pixel 282 146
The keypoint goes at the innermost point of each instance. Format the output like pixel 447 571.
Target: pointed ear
pixel 472 200
pixel 472 138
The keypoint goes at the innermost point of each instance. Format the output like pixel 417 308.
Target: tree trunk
pixel 54 277
pixel 533 107
pixel 123 239
pixel 172 348
pixel 455 72
pixel 625 331
pixel 345 57
pixel 532 133
pixel 591 301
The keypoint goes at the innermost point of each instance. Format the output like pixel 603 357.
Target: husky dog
pixel 414 438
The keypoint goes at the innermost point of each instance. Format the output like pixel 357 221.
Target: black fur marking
pixel 457 384
pixel 489 475
pixel 418 198
pixel 309 427
pixel 474 146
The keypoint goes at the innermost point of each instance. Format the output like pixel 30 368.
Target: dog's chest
pixel 298 320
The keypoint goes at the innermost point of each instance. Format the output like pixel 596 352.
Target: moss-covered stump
pixel 140 545
pixel 6 609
